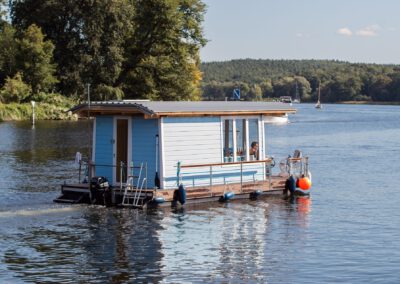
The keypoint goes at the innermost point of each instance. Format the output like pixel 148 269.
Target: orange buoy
pixel 304 183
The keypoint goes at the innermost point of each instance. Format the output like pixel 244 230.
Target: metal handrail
pixel 230 163
pixel 268 171
pixel 303 165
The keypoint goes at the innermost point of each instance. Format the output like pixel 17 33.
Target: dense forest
pixel 132 49
pixel 149 49
pixel 269 79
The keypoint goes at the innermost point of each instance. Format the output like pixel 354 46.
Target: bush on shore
pixel 47 106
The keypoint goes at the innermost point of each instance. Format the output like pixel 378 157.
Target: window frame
pixel 247 140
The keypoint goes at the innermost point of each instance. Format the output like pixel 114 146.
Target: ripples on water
pixel 349 231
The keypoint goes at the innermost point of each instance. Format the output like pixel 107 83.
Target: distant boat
pixel 286 99
pixel 297 95
pixel 277 119
pixel 318 104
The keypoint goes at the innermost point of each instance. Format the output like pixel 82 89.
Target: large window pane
pixel 228 140
pixel 254 151
pixel 241 139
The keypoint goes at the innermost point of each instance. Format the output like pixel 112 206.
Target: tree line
pixel 149 49
pixel 338 81
pixel 132 49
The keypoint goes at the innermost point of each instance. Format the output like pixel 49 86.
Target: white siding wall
pixel 190 140
pixel 198 140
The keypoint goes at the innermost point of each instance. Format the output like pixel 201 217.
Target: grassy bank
pixel 57 109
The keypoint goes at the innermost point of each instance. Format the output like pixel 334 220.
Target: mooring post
pixel 33 112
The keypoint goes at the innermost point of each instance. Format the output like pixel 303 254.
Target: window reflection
pixel 240 140
pixel 254 152
pixel 228 141
pixel 241 146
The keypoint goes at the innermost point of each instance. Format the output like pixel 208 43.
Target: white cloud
pixel 344 31
pixel 299 35
pixel 368 31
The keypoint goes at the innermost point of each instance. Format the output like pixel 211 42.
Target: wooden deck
pixel 277 184
pixel 80 193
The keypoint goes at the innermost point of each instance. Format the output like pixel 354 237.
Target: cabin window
pixel 241 135
pixel 228 140
pixel 254 152
pixel 238 137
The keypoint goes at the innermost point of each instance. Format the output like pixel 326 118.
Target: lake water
pixel 348 232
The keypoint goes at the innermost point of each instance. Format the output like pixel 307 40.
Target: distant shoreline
pixel 45 111
pixel 367 103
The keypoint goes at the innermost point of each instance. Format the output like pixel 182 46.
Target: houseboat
pixel 153 153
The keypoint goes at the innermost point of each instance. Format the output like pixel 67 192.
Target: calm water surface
pixel 348 232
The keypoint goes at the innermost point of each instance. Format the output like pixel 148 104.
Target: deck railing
pixel 297 166
pixel 221 172
pixel 89 170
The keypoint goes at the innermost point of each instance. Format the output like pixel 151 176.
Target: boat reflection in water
pixel 213 242
pixel 303 204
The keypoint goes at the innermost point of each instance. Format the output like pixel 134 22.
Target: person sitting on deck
pixel 254 151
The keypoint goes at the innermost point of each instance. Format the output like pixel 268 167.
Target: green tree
pixel 284 87
pixel 395 86
pixel 379 87
pixel 3 12
pixel 15 90
pixel 88 37
pixel 266 88
pixel 34 60
pixel 8 52
pixel 304 88
pixel 255 93
pixel 163 52
pixel 147 48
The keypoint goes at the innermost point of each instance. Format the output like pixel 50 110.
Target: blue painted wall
pixel 144 133
pixel 104 146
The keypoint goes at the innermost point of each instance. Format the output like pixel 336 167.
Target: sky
pixel 360 31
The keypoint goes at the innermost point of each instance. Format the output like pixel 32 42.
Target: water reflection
pixel 210 242
pixel 38 159
pixel 102 245
pixel 342 233
pixel 35 146
pixel 219 242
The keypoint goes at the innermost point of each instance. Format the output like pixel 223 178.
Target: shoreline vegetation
pixel 48 107
pixel 43 111
pixel 47 111
pixel 151 50
pixel 336 81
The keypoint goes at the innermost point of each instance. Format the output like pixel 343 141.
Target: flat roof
pixel 153 109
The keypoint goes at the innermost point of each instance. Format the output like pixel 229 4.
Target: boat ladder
pixel 133 193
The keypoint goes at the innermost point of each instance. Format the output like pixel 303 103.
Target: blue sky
pixel 365 31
